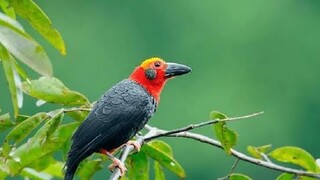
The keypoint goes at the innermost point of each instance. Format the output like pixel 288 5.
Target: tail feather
pixel 75 156
pixel 71 165
pixel 70 170
pixel 68 176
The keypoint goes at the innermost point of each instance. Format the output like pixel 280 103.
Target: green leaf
pixel 8 68
pixel 162 146
pixel 55 169
pixel 88 168
pixel 286 176
pixel 165 148
pixel 217 115
pixel 237 176
pixel 22 46
pixel 307 178
pixel 33 149
pixel 42 163
pixel 6 148
pixel 226 136
pixel 21 118
pixel 50 126
pixel 23 129
pixel 3 174
pixel 138 166
pixel 20 131
pixel 20 71
pixel 39 21
pixel 124 178
pixel 30 173
pixel 264 148
pixel 5 122
pixel 165 159
pixel 10 22
pixel 52 90
pixel 256 151
pixel 158 171
pixel 295 155
pixel 78 115
pixel 5 6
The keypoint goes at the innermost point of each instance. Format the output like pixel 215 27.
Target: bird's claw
pixel 119 164
pixel 135 144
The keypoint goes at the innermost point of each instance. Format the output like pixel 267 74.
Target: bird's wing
pixel 117 112
pixel 106 120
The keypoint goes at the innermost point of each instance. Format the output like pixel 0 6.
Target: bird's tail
pixel 71 166
pixel 68 176
pixel 75 156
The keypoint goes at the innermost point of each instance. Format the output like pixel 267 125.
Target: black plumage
pixel 117 116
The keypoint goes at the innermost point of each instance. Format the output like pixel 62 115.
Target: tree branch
pixel 194 126
pixel 237 154
pixel 127 150
pixel 182 132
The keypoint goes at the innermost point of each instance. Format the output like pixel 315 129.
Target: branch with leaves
pixel 258 157
pixel 54 136
pixel 31 141
pixel 17 46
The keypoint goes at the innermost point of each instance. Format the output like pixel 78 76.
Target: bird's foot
pixel 135 144
pixel 119 164
pixel 115 162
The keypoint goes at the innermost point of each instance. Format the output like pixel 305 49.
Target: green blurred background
pixel 247 56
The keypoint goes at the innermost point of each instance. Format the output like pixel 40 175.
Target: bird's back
pixel 116 117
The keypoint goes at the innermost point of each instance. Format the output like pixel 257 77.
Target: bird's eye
pixel 157 64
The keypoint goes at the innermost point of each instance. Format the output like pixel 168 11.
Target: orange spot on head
pixel 149 62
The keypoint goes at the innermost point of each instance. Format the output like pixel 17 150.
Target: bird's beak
pixel 174 69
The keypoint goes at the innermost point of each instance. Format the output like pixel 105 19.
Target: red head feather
pixel 151 75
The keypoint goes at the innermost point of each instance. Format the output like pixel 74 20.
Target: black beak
pixel 175 69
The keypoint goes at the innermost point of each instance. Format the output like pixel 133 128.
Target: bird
pixel 121 112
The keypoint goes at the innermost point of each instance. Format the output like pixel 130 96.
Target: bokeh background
pixel 247 56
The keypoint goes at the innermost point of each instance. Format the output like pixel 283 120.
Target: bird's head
pixel 153 73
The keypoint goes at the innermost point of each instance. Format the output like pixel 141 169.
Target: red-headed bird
pixel 121 112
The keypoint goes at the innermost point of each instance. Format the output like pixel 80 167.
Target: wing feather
pixel 119 114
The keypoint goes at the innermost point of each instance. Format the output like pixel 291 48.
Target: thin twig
pixel 76 109
pixel 265 157
pixel 194 126
pixel 232 170
pixel 234 166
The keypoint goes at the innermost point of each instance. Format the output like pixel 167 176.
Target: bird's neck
pixel 153 86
